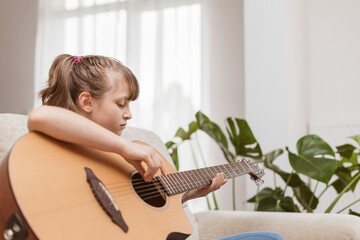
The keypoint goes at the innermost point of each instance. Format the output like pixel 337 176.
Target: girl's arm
pixel 71 127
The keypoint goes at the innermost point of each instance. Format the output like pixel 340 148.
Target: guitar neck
pixel 179 182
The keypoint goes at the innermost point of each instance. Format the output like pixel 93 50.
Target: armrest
pixel 294 226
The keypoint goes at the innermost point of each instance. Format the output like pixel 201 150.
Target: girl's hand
pixel 217 182
pixel 137 154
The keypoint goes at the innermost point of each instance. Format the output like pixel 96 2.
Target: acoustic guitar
pixel 50 189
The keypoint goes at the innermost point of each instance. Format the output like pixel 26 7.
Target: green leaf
pixel 346 150
pixel 351 212
pixel 321 169
pixel 271 156
pixel 242 138
pixel 353 159
pixel 172 148
pixel 175 158
pixel 311 160
pixel 268 192
pixel 356 138
pixel 312 145
pixel 301 191
pixel 287 203
pixel 267 204
pixel 273 200
pixel 215 132
pixel 303 194
pixel 181 133
pixel 344 178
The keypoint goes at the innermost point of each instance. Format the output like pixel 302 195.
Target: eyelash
pixel 121 105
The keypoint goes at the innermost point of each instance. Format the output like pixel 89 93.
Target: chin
pixel 119 132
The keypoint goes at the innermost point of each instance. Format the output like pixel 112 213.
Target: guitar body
pixel 45 181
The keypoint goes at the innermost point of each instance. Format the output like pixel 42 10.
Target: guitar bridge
pixel 105 199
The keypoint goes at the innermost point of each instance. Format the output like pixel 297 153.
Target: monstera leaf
pixel 273 200
pixel 215 132
pixel 315 158
pixel 242 138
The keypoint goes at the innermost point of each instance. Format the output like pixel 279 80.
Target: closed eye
pixel 120 105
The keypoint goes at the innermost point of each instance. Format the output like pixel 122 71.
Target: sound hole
pixel 149 192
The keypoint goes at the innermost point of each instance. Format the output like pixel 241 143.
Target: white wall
pixel 334 74
pixel 301 67
pixel 18 21
pixel 334 59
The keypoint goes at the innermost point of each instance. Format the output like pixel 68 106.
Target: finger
pixel 141 170
pixel 148 173
pixel 218 181
pixel 162 167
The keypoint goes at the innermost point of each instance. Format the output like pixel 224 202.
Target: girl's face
pixel 112 110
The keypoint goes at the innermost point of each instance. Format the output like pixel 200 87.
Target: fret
pixel 207 180
pixel 227 175
pixel 185 183
pixel 166 185
pixel 175 183
pixel 232 168
pixel 192 182
pixel 211 170
pixel 239 164
pixel 220 167
pixel 181 186
pixel 247 165
pixel 201 181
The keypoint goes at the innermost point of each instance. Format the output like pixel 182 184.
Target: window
pixel 159 41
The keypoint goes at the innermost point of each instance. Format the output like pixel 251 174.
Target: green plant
pixel 314 159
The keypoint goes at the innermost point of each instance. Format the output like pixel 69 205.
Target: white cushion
pixel 12 127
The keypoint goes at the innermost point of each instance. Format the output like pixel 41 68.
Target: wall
pixel 334 75
pixel 301 68
pixel 334 59
pixel 18 21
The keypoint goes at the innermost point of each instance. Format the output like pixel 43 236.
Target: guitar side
pixel 49 183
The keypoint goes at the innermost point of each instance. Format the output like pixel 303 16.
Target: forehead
pixel 119 86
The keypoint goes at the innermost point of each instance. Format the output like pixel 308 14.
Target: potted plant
pixel 315 159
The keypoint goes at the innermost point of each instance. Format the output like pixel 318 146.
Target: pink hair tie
pixel 78 59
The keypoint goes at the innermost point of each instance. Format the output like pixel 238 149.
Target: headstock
pixel 253 170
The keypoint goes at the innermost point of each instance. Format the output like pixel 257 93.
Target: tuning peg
pixel 259 182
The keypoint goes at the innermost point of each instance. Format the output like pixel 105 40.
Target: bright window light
pixel 71 35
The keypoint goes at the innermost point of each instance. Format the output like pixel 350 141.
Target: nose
pixel 127 114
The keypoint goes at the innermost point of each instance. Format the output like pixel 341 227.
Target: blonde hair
pixel 68 78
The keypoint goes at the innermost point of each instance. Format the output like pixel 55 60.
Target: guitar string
pixel 157 187
pixel 179 173
pixel 175 188
pixel 157 191
pixel 146 190
pixel 116 185
pixel 139 182
pixel 176 185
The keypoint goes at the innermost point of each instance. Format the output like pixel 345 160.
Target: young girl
pixel 87 102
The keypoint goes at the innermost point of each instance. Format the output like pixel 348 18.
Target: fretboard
pixel 179 182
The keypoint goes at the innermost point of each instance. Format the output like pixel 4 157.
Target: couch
pixel 215 224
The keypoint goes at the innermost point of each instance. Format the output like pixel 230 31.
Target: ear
pixel 85 102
